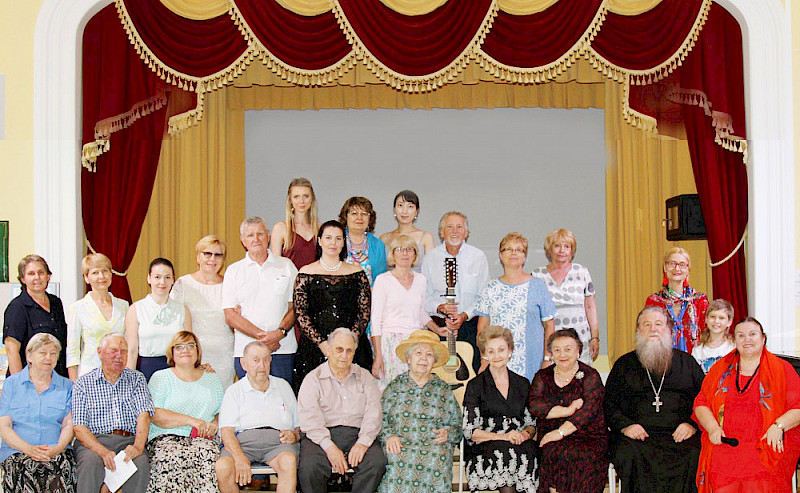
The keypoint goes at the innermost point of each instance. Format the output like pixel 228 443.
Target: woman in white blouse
pixel 570 285
pixel 201 293
pixel 90 318
pixel 153 320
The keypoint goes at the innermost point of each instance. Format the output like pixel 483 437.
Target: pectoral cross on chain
pixel 657 403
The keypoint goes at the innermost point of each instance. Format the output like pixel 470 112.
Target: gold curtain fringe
pixel 407 83
pixel 90 151
pixel 639 120
pixel 104 128
pixel 721 121
pixel 91 249
pixel 659 72
pixel 545 73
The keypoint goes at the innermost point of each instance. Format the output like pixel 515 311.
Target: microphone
pixel 730 441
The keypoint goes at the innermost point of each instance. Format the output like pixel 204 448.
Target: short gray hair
pixel 412 347
pixel 444 219
pixel 254 344
pixel 252 220
pixel 104 340
pixel 41 339
pixel 342 330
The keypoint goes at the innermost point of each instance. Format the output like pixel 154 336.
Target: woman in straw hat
pixel 421 420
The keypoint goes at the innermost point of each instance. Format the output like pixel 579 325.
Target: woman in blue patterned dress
pixel 421 421
pixel 519 302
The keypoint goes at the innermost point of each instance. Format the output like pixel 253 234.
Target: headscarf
pixel 772 402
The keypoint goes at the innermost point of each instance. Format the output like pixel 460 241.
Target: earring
pixel 395 216
pixel 665 281
pixel 686 282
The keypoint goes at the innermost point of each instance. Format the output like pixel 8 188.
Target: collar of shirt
pixel 25 375
pixel 248 387
pixel 325 372
pixel 100 376
pixel 267 263
pixel 28 301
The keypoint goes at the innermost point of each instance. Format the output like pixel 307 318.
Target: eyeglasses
pixel 208 255
pixel 184 347
pixel 672 264
pixel 513 250
pixel 405 250
pixel 356 213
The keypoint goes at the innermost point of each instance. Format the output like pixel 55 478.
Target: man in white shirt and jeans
pixel 257 298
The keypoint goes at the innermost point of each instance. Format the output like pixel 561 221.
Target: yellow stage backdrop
pixel 200 184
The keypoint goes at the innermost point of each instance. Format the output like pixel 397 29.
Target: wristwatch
pixel 283 331
pixel 779 425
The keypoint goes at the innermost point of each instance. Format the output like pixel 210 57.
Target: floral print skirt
pixel 180 464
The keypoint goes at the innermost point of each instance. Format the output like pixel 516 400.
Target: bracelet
pixel 594 339
pixel 560 432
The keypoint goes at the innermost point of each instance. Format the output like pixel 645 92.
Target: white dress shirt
pixel 473 275
pixel 245 408
pixel 264 293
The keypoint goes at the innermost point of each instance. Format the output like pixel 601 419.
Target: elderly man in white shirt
pixel 472 269
pixel 257 298
pixel 258 422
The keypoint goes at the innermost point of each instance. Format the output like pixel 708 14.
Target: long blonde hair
pixel 288 242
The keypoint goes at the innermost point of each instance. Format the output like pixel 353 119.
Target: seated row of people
pixel 554 433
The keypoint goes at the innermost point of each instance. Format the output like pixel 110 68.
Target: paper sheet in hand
pixel 115 479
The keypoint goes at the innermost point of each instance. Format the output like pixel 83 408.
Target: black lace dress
pixel 323 303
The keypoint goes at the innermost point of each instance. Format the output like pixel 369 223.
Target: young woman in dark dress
pixel 567 401
pixel 498 427
pixel 329 294
pixel 294 237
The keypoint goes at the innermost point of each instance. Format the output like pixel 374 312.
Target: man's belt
pixel 124 433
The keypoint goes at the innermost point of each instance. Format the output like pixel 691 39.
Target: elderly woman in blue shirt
pixel 36 423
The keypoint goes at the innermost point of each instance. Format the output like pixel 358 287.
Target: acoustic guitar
pixel 458 369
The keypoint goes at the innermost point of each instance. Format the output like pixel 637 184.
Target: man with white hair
pixel 111 410
pixel 472 269
pixel 654 443
pixel 257 298
pixel 258 422
pixel 340 414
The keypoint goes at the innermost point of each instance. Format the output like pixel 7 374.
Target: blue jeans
pixel 281 367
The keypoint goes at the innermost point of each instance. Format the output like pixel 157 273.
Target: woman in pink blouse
pixel 398 308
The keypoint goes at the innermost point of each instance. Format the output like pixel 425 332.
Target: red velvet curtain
pixel 197 48
pixel 416 45
pixel 115 198
pixel 711 81
pixel 308 43
pixel 644 41
pixel 539 39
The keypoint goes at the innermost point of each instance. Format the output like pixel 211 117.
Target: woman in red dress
pixel 295 237
pixel 685 306
pixel 752 396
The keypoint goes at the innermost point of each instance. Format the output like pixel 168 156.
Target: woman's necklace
pixel 749 380
pixel 562 378
pixel 330 269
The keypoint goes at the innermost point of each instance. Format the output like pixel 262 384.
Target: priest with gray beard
pixel 654 443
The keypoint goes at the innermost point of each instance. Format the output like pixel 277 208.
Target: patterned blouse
pixel 413 413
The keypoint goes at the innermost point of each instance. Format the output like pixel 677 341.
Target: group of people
pixel 310 356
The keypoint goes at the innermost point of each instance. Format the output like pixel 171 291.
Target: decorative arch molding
pixel 768 95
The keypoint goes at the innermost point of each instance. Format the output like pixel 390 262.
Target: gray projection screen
pixel 530 170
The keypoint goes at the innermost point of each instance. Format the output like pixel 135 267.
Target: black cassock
pixel 657 464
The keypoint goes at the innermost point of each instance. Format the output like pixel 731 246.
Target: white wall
pixel 529 170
